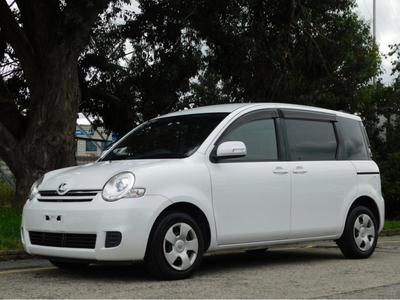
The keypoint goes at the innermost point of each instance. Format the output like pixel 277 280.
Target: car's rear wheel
pixel 360 235
pixel 175 247
pixel 68 265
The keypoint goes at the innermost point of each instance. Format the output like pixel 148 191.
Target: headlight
pixel 121 186
pixel 35 188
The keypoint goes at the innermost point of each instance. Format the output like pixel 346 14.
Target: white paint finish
pixel 246 204
pixel 321 193
pixel 251 203
pixel 132 217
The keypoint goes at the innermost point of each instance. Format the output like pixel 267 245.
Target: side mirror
pixel 231 149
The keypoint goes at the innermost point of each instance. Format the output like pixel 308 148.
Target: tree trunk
pixel 47 37
pixel 49 142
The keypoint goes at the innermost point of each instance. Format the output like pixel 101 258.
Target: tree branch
pixel 311 25
pixel 314 41
pixel 99 93
pixel 16 37
pixel 93 13
pixel 88 13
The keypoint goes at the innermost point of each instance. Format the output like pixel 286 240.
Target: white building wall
pixel 90 142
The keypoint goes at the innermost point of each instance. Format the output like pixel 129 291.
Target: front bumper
pixel 82 230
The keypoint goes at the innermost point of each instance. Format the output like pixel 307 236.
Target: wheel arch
pixel 194 212
pixel 370 204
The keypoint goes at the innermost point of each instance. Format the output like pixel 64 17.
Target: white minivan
pixel 233 176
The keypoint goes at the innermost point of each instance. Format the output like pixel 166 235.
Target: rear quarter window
pixel 354 139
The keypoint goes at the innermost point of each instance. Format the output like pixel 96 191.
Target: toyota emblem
pixel 62 188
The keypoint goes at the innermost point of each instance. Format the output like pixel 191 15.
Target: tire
pixel 175 248
pixel 68 265
pixel 360 234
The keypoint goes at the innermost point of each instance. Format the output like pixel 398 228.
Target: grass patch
pixel 10 228
pixel 391 224
pixel 10 219
pixel 7 194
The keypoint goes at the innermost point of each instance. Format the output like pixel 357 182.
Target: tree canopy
pixel 380 109
pixel 125 66
pixel 201 52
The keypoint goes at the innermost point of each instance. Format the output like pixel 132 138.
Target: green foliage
pixel 126 89
pixel 391 224
pixel 380 109
pixel 10 228
pixel 186 53
pixel 311 53
pixel 10 219
pixel 395 51
pixel 203 52
pixel 7 194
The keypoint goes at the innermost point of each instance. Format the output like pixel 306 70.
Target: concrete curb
pixel 390 232
pixel 11 255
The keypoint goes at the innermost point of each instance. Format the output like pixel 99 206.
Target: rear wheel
pixel 68 265
pixel 175 248
pixel 360 234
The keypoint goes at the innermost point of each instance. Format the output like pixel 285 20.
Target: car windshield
pixel 171 137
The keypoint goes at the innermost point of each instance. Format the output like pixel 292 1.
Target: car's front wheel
pixel 360 235
pixel 175 247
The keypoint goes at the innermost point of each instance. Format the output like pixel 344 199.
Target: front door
pixel 251 194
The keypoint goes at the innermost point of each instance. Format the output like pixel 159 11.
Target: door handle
pixel 280 171
pixel 299 170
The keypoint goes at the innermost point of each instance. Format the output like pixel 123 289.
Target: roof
pixel 228 108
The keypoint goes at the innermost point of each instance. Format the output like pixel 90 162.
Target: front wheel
pixel 175 247
pixel 360 234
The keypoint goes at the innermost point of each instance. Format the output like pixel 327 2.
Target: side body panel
pixel 321 194
pixel 251 202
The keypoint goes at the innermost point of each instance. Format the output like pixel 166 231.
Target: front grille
pixel 71 196
pixel 63 240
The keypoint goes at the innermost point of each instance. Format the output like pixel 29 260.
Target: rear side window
pixel 311 140
pixel 354 139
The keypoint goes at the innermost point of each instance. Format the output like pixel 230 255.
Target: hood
pixel 92 176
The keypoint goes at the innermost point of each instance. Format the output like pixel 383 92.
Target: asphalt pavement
pixel 316 270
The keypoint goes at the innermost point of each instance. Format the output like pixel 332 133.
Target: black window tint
pixel 354 142
pixel 311 140
pixel 260 140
